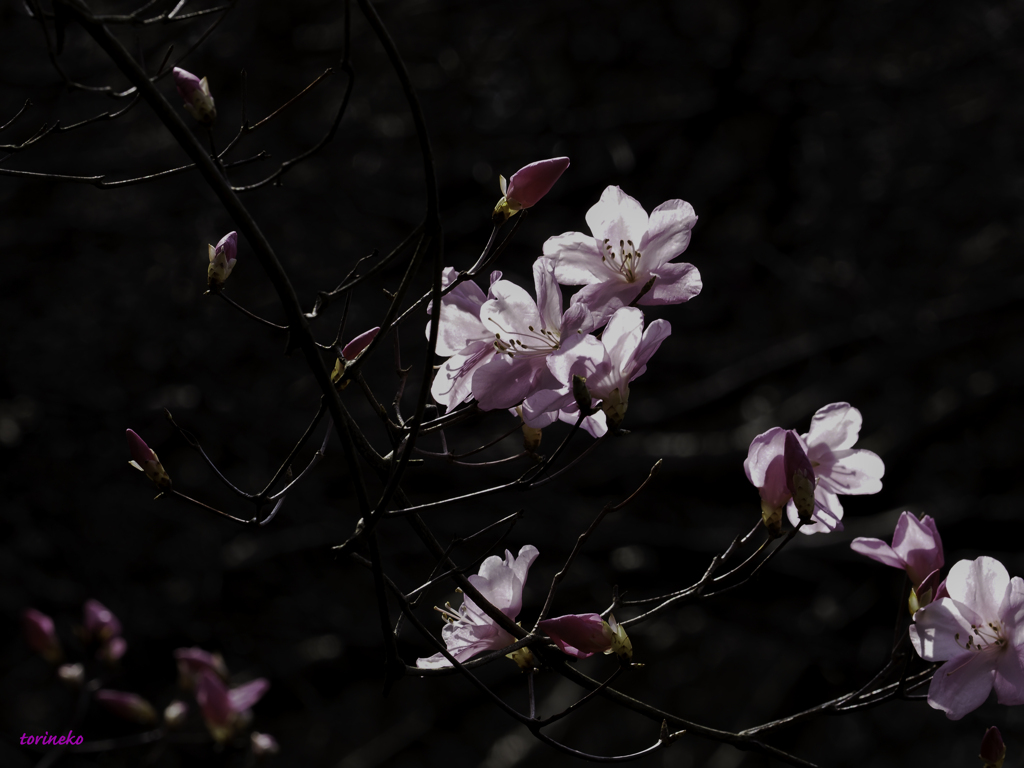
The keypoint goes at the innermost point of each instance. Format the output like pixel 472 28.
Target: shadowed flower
pixel 979 632
pixel 196 95
pixel 624 252
pixel 99 622
pixel 469 630
pixel 916 548
pixel 41 635
pixel 222 260
pixel 146 460
pixel 192 662
pixel 349 353
pixel 226 710
pixel 129 706
pixel 993 750
pixel 527 186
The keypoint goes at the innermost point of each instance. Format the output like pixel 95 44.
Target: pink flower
pixel 837 468
pixel 470 631
pixel 41 635
pixel 222 260
pixel 979 632
pixel 528 185
pixel 146 460
pixel 196 95
pixel 916 548
pixel 129 706
pixel 579 635
pixel 626 250
pixel 99 622
pixel 608 365
pixel 225 710
pixel 993 750
pixel 524 332
pixel 349 353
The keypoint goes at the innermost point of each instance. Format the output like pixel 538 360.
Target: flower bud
pixel 145 460
pixel 72 675
pixel 222 260
pixel 993 750
pixel 192 661
pixel 112 650
pixel 98 621
pixel 129 706
pixel 41 635
pixel 175 713
pixel 579 635
pixel 263 744
pixel 196 95
pixel 352 350
pixel 799 476
pixel 527 186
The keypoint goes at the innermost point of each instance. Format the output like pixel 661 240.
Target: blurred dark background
pixel 856 170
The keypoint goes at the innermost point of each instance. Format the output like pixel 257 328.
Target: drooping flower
pixel 41 635
pixel 146 460
pixel 469 630
pixel 625 251
pixel 608 365
pixel 765 467
pixel 462 338
pixel 196 95
pixel 527 186
pixel 226 710
pixel 993 750
pixel 979 632
pixel 524 332
pixel 222 260
pixel 129 706
pixel 916 548
pixel 99 621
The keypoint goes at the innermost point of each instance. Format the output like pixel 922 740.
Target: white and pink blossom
pixel 469 630
pixel 978 630
pixel 627 248
pixel 916 548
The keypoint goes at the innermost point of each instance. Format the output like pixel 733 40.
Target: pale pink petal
pixel 578 259
pixel 654 335
pixel 835 426
pixel 668 233
pixel 521 567
pixel 877 550
pixel 962 684
pixel 595 425
pixel 762 451
pixel 505 383
pixel 621 337
pixel 1009 677
pixel 460 316
pixel 917 542
pixel 604 299
pixel 981 584
pixel 935 630
pixel 849 472
pixel 437 661
pixel 245 696
pixel 212 698
pixel 617 217
pixel 453 383
pixel 676 283
pixel 549 294
pixel 510 308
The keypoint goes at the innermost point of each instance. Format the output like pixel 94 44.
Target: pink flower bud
pixel 527 186
pixel 224 710
pixel 263 744
pixel 222 260
pixel 993 750
pixel 196 95
pixel 579 635
pixel 99 621
pixel 129 706
pixel 192 662
pixel 112 650
pixel 41 635
pixel 359 343
pixel 245 696
pixel 799 476
pixel 146 460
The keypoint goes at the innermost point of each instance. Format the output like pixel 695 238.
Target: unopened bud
pixel 112 650
pixel 99 621
pixel 222 260
pixel 41 635
pixel 527 186
pixel 196 95
pixel 993 750
pixel 146 460
pixel 72 675
pixel 129 706
pixel 799 476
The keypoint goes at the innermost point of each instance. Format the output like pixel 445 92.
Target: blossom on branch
pixel 222 260
pixel 527 186
pixel 583 634
pixel 129 706
pixel 41 635
pixel 146 460
pixel 916 548
pixel 227 710
pixel 196 95
pixel 469 630
pixel 626 251
pixel 978 630
pixel 350 352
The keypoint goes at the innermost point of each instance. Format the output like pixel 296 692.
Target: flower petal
pixel 835 426
pixel 962 684
pixel 549 294
pixel 850 472
pixel 877 550
pixel 668 233
pixel 936 629
pixel 245 696
pixel 676 283
pixel 617 216
pixel 578 259
pixel 982 585
pixel 1009 677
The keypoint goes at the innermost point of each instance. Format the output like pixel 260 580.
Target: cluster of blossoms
pixel 507 349
pixel 225 711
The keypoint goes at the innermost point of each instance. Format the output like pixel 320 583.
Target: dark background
pixel 856 170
